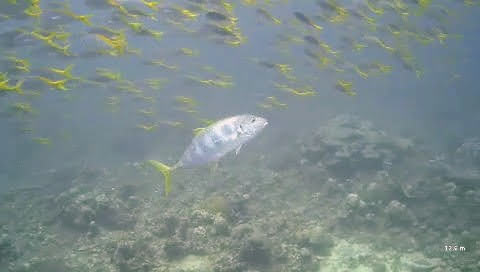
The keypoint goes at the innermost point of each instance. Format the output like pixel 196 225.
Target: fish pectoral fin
pixel 238 150
pixel 240 130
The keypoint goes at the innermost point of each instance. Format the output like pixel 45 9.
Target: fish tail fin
pixel 68 70
pixel 317 27
pixel 18 87
pixel 166 171
pixel 50 36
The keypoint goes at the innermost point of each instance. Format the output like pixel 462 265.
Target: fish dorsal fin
pixel 199 131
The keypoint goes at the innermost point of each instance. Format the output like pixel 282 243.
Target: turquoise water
pixel 370 160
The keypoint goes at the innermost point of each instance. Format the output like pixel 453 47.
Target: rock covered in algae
pixel 467 155
pixel 354 202
pixel 53 264
pixel 347 144
pixel 316 239
pixel 355 257
pixel 381 189
pixel 218 204
pixel 193 263
pixel 465 168
pixel 174 249
pixel 348 256
pixel 86 211
pixel 8 251
pixel 227 262
pixel 398 213
pixel 416 262
pixel 256 251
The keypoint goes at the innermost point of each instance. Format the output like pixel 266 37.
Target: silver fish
pixel 214 142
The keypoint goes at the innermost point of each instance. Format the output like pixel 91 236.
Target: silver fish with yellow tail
pixel 214 142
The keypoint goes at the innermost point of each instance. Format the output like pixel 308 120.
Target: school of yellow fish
pixel 55 48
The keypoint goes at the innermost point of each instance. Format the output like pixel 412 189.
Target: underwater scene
pixel 239 135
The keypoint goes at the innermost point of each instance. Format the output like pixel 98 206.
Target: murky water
pixel 370 160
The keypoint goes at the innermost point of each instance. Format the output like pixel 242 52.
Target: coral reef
pixel 86 212
pixel 346 205
pixel 255 251
pixel 8 252
pixel 192 263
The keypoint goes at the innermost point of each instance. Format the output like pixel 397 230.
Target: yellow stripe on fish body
pixel 214 142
